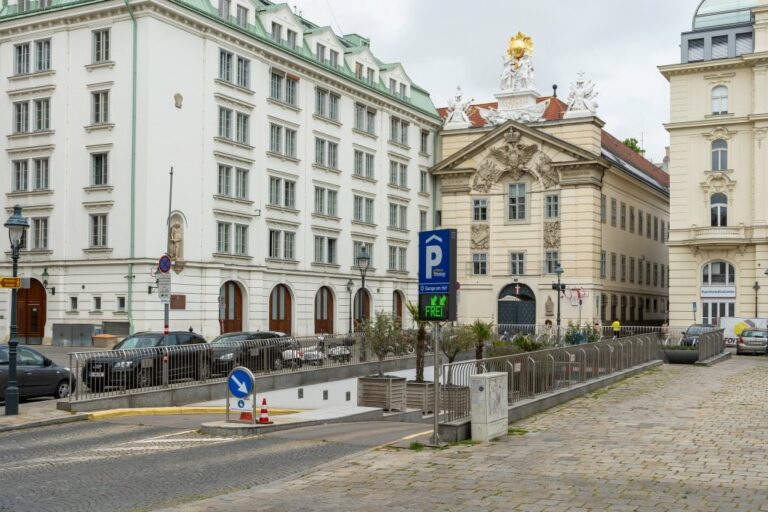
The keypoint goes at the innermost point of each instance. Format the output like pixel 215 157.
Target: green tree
pixel 482 332
pixel 633 144
pixel 453 343
pixel 380 335
pixel 421 340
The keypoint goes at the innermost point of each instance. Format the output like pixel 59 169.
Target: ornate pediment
pixel 513 159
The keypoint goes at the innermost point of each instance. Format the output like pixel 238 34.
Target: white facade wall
pixel 175 56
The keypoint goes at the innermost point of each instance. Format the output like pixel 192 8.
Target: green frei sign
pixel 433 307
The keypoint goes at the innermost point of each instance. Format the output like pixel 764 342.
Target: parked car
pixel 36 375
pixel 138 361
pixel 256 350
pixel 691 335
pixel 753 341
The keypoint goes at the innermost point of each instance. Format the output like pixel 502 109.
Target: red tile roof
pixel 556 110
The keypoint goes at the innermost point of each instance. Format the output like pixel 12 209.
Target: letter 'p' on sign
pixel 434 257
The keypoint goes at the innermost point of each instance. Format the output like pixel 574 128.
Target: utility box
pixel 489 406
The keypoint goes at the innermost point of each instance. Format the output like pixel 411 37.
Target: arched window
pixel 719 155
pixel 720 100
pixel 718 205
pixel 717 273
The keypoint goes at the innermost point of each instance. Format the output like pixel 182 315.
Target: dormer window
pixel 359 69
pixel 695 50
pixel 392 86
pixel 403 90
pixel 320 53
pixel 371 76
pixel 277 32
pixel 224 8
pixel 334 59
pixel 291 39
pixel 242 16
pixel 720 47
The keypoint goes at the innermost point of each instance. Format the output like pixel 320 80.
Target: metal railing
pixel 535 373
pixel 108 373
pixel 711 344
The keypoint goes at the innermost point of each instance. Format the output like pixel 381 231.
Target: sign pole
pixel 437 370
pixel 166 304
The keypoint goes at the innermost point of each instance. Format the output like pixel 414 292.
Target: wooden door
pixel 230 308
pixel 324 311
pixel 397 306
pixel 362 305
pixel 32 312
pixel 280 309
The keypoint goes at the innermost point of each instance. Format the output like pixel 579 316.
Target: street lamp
pixel 559 287
pixel 45 276
pixel 350 287
pixel 17 226
pixel 363 262
pixel 757 290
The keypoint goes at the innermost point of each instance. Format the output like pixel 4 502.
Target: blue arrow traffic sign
pixel 240 382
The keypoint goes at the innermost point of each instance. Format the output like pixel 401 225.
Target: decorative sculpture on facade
pixel 176 242
pixel 458 111
pixel 582 98
pixel 552 235
pixel 518 65
pixel 481 237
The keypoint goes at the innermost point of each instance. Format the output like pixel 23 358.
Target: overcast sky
pixel 445 43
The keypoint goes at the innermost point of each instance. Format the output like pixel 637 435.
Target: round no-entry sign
pixel 164 264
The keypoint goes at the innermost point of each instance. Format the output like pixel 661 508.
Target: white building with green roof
pixel 292 147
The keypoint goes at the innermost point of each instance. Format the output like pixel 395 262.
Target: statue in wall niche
pixel 552 235
pixel 548 175
pixel 481 236
pixel 176 243
pixel 549 307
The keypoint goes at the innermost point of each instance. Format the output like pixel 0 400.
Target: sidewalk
pixel 675 438
pixel 37 414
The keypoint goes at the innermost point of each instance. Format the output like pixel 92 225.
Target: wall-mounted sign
pixel 178 301
pixel 718 292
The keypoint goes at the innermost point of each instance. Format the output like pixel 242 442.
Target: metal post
pixel 757 296
pixel 559 293
pixel 435 441
pixel 12 388
pixel 362 298
pixel 166 305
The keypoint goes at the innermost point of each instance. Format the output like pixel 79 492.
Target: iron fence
pixel 535 373
pixel 120 372
pixel 710 344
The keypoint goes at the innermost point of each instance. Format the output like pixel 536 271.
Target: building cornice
pixel 743 61
pixel 707 123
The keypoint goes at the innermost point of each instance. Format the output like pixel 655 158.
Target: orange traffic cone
pixel 264 418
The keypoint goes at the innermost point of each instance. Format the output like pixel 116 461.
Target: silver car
pixel 753 341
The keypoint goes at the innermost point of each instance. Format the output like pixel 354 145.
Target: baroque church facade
pixel 534 183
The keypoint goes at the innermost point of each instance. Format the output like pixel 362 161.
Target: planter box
pixel 421 395
pixel 454 398
pixel 385 392
pixel 673 356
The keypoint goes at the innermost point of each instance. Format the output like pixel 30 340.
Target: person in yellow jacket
pixel 616 328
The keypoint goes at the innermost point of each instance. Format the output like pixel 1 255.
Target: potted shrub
pixel 453 343
pixel 385 391
pixel 481 332
pixel 420 394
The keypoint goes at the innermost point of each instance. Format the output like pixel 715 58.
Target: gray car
pixel 753 341
pixel 36 375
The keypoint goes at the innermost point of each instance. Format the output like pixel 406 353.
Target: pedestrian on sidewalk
pixel 616 328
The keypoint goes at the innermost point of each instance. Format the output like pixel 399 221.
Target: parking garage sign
pixel 437 275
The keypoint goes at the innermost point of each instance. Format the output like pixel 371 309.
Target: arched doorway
pixel 362 307
pixel 517 305
pixel 324 311
pixel 280 309
pixel 397 306
pixel 230 307
pixel 32 311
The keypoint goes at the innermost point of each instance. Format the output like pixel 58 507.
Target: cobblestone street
pixel 675 438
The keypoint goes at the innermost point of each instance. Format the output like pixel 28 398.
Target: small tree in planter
pixel 381 335
pixel 381 390
pixel 420 394
pixel 481 331
pixel 454 343
pixel 421 340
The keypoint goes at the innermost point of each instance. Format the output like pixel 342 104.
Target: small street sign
pixel 240 396
pixel 164 287
pixel 10 282
pixel 164 264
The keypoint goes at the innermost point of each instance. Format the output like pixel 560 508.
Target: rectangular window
pixel 392 258
pixel 222 237
pixel 403 217
pixel 331 253
pixel 120 304
pixel 357 246
pixel 393 213
pixel 631 269
pixel 242 133
pixel 359 69
pixel 225 123
pixel 648 273
pixel 99 169
pixel 319 249
pixel 241 239
pixel 333 203
pixel 480 264
pixel 613 266
pixel 695 50
pixel 394 129
pixel 393 172
pixel 603 264
pixel 357 208
pixel 613 212
pixel 333 106
pixel 320 53
pixel 517 264
pixel 320 200
pixel 552 261
pixel 623 216
pixel 22 59
pixel 369 166
pixel 43 55
pixel 369 210
pixel 275 238
pixel 656 229
pixel 98 230
pixel 276 86
pixel 552 206
pixel 243 72
pixel 100 107
pixel 96 304
pixel 640 272
pixel 321 102
pixel 403 91
pixel 603 209
pixel 224 8
pixel 21 117
pixel 73 303
pixel 290 194
pixel 225 180
pixel 225 65
pixel 334 60
pixel 242 16
pixel 640 218
pixel 291 87
pixel 320 151
pixel 333 155
pixel 20 175
pixel 42 174
pixel 275 191
pixel 517 201
pixel 277 32
pixel 720 47
pixel 648 225
pixel 290 39
pixel 425 142
pixel 744 44
pixel 480 210
pixel 276 138
pixel 241 183
pixel 424 182
pixel 358 165
pixel 623 268
pixel 655 274
pixel 365 119
pixel 392 86
pixel 371 76
pixel 289 245
pixel 101 45
pixel 404 133
pixel 422 220
pixel 40 233
pixel 631 219
pixel 290 143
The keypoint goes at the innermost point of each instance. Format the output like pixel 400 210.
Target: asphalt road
pixel 125 465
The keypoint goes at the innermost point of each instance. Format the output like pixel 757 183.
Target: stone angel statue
pixel 458 109
pixel 582 98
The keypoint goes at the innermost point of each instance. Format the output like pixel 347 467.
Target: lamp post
pixel 45 277
pixel 757 296
pixel 350 287
pixel 559 271
pixel 16 225
pixel 363 262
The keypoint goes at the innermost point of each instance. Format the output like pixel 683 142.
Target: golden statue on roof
pixel 520 46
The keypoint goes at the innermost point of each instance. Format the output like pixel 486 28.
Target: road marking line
pixel 187 440
pixel 406 438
